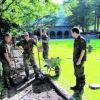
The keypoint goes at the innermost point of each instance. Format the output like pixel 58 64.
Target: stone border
pixel 58 89
pixel 94 86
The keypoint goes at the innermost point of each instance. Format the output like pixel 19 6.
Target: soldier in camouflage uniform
pixel 45 44
pixel 5 57
pixel 79 57
pixel 28 55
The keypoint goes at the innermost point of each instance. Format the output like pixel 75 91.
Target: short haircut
pixel 6 35
pixel 76 30
pixel 25 33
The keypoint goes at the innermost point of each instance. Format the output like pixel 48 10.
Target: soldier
pixel 45 44
pixel 79 57
pixel 5 57
pixel 28 55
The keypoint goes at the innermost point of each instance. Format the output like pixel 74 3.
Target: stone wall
pixel 59 32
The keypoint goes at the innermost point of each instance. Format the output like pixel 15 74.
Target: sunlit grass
pixel 64 50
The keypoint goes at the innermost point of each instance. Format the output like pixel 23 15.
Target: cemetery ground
pixel 64 50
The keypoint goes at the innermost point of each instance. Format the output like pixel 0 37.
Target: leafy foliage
pixel 23 12
pixel 83 13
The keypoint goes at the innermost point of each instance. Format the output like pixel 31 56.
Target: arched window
pixel 59 34
pixel 52 35
pixel 66 34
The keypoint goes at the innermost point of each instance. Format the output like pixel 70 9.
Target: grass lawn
pixel 64 50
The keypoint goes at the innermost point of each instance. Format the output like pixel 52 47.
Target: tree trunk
pixel 83 29
pixel 98 24
pixel 95 23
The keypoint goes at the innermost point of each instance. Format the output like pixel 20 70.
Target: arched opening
pixel 99 36
pixel 66 34
pixel 59 34
pixel 52 35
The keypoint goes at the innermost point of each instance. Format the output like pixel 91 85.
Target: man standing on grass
pixel 45 44
pixel 79 57
pixel 28 56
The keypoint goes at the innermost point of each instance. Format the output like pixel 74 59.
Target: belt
pixel 44 41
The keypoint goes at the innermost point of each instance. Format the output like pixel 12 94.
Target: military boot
pixel 76 87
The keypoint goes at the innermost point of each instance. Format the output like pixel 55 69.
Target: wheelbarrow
pixel 53 64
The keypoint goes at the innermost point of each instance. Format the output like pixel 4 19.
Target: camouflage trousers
pixel 6 73
pixel 30 58
pixel 79 74
pixel 45 51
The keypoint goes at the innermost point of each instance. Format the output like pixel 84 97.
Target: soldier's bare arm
pixel 34 41
pixel 6 55
pixel 81 57
pixel 83 50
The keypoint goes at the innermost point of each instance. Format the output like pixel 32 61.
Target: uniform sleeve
pixel 34 42
pixel 19 43
pixel 4 49
pixel 83 45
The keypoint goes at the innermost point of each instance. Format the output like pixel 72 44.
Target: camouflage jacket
pixel 5 48
pixel 44 39
pixel 27 45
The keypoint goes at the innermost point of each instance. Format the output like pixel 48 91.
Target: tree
pixel 96 10
pixel 80 14
pixel 83 13
pixel 22 12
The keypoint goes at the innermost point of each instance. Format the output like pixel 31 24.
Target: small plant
pixel 53 63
